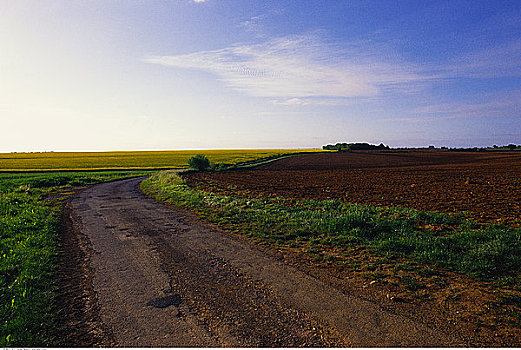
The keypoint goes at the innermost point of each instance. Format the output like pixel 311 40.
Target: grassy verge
pixel 438 262
pixel 256 162
pixel 485 252
pixel 28 252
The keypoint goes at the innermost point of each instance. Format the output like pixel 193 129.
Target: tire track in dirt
pixel 164 278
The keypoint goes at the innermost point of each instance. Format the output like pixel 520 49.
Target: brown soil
pixel 487 185
pixel 79 322
pixel 161 277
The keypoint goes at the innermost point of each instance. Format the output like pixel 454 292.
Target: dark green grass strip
pixel 47 181
pixel 486 252
pixel 28 253
pixel 259 161
pixel 28 256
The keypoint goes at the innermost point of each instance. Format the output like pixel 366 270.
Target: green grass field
pixel 66 161
pixel 29 244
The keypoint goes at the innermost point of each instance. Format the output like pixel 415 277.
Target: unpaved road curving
pixel 154 275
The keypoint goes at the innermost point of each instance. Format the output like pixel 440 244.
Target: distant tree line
pixel 345 147
pixel 510 147
pixel 355 147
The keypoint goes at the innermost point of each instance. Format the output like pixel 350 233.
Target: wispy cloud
pixel 306 70
pixel 257 25
pixel 292 102
pixel 317 101
pixel 500 60
pixel 253 24
pixel 301 67
pixel 495 106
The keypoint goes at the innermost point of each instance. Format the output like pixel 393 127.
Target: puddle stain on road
pixel 164 302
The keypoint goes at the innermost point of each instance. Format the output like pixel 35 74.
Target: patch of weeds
pixel 453 295
pixel 411 283
pixel 355 267
pixel 331 258
pixel 515 318
pixel 395 245
pixel 479 322
pixel 315 241
pixel 371 267
pixel 422 295
pixel 428 272
pixel 508 306
pixel 312 250
pixel 383 261
pixel 319 257
pixel 315 254
pixel 374 275
pixel 407 266
pixel 507 281
pixel 509 299
pixel 342 240
pixel 440 282
pixel 294 244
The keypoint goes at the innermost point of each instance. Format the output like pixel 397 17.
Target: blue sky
pixel 116 75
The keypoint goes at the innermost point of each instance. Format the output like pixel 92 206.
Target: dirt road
pixel 158 276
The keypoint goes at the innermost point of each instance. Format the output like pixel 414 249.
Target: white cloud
pixel 253 23
pixel 199 1
pixel 300 67
pixel 316 101
pixel 292 102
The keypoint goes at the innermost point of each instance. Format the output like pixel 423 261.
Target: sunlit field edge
pixel 135 160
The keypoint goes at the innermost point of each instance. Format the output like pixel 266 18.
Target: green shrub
pixel 199 162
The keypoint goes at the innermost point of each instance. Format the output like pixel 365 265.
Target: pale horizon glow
pixel 218 74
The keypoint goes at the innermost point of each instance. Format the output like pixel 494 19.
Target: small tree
pixel 199 162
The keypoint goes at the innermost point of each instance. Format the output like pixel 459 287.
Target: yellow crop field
pixel 47 161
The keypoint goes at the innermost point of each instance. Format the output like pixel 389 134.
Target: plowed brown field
pixel 487 185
